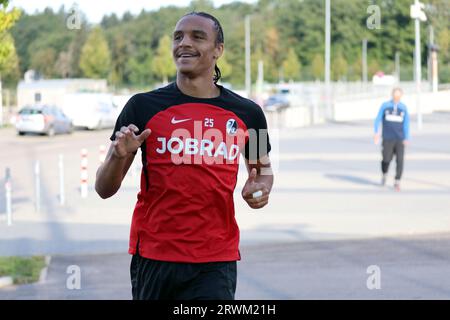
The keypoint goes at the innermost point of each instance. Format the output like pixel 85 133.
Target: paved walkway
pixel 410 268
pixel 326 189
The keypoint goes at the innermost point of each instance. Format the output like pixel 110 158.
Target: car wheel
pixel 51 132
pixel 21 133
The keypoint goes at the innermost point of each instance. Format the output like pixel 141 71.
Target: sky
pixel 95 9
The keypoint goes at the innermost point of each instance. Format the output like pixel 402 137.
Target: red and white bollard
pixel 84 173
pixel 102 154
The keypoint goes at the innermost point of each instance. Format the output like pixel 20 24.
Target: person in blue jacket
pixel 394 120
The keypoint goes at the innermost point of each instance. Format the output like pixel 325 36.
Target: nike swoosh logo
pixel 175 121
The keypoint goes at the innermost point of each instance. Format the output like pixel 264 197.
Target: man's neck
pixel 199 87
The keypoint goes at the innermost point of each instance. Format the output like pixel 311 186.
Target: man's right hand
pixel 127 141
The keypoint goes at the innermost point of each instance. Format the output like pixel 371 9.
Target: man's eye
pixel 177 37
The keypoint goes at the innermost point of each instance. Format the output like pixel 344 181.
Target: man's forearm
pixel 110 175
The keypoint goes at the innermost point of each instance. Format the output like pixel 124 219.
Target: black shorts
pixel 162 280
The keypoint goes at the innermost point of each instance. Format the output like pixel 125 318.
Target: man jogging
pixel 184 237
pixel 394 117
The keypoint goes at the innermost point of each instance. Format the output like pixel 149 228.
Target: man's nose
pixel 186 41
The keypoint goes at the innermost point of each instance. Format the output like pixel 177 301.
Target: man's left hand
pixel 256 194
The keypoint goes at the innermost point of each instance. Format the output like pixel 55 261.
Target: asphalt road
pixel 327 221
pixel 409 268
pixel 326 187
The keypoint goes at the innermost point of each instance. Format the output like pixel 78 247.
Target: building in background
pixel 52 91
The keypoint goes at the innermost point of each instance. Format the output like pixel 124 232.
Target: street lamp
pixel 248 79
pixel 433 50
pixel 329 110
pixel 364 62
pixel 418 14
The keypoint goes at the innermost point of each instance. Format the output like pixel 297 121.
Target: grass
pixel 22 269
pixel 6 126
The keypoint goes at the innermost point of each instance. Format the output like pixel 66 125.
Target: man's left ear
pixel 219 52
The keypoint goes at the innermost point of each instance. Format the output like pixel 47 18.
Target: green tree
pixel 276 27
pixel 9 66
pixel 95 60
pixel 75 47
pixel 356 69
pixel 119 51
pixel 43 61
pixel 373 68
pixel 291 66
pixel 7 18
pixel 63 65
pixel 8 56
pixel 47 29
pixel 139 67
pixel 339 67
pixel 225 67
pixel 201 5
pixel 163 65
pixel 273 56
pixel 444 43
pixel 317 67
pixel 257 55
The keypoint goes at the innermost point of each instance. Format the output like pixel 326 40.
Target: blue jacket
pixel 395 119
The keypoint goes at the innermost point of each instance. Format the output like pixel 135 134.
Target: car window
pixel 60 113
pixel 30 111
pixel 47 110
pixel 104 107
pixel 63 114
pixel 55 111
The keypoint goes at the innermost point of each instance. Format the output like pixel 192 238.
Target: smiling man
pixel 184 237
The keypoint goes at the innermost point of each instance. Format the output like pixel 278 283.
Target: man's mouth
pixel 187 55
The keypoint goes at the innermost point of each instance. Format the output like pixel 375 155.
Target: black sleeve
pixel 126 117
pixel 258 144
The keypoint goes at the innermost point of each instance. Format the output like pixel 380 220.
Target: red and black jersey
pixel 185 209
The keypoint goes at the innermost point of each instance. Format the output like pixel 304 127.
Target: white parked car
pixel 42 119
pixel 90 110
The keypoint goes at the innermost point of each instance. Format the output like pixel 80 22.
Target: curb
pixel 44 271
pixel 6 281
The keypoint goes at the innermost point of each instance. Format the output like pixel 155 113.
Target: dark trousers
pixel 162 280
pixel 391 147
